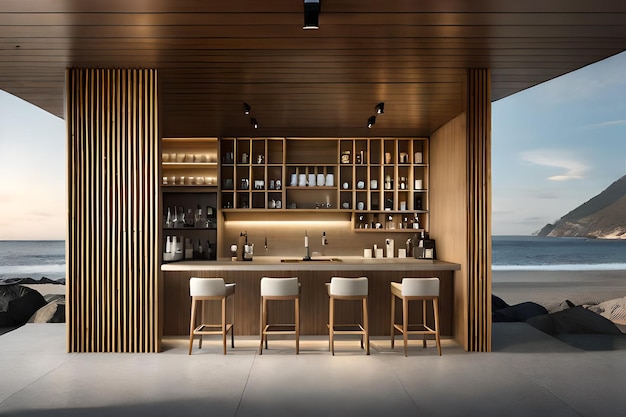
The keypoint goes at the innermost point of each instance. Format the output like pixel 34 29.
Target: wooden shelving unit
pixel 382 183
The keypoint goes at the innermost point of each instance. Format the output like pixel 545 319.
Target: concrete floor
pixel 528 374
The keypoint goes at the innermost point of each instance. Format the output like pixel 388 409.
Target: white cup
pixel 418 184
pixel 374 184
pixel 346 185
pixel 320 179
pixel 312 182
pixel 165 157
pixel 330 180
pixel 360 205
pixel 180 157
pixel 360 185
pixel 294 180
pixel 367 253
pixel 401 253
pixel 417 158
pixel 302 180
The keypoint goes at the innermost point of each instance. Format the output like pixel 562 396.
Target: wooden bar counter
pixel 314 299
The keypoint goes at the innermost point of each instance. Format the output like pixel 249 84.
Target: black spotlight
pixel 311 14
pixel 246 108
pixel 371 121
pixel 380 108
pixel 254 123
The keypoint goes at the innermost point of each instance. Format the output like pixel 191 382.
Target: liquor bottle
pixel 168 220
pixel 209 251
pixel 200 252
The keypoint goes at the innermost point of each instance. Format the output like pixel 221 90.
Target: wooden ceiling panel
pixel 213 56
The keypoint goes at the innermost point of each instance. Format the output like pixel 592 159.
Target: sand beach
pixel 550 287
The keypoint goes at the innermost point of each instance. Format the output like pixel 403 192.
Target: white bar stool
pixel 348 289
pixel 280 289
pixel 421 289
pixel 210 289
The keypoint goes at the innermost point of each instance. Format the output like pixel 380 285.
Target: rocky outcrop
pixel 603 216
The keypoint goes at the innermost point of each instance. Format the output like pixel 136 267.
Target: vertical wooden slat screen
pixel 479 209
pixel 113 210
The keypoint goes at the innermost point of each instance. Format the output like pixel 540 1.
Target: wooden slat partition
pixel 113 210
pixel 479 209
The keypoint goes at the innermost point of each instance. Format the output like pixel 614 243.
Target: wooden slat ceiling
pixel 215 55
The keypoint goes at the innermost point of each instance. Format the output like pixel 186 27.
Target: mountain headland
pixel 602 217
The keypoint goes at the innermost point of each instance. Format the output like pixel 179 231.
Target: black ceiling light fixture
pixel 311 14
pixel 371 121
pixel 380 108
pixel 246 108
pixel 254 123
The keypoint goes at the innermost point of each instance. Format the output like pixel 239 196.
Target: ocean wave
pixel 562 267
pixel 32 271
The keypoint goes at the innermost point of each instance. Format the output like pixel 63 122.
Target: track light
pixel 371 121
pixel 311 14
pixel 254 123
pixel 380 108
pixel 246 108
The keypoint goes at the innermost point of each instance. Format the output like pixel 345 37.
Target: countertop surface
pixel 346 263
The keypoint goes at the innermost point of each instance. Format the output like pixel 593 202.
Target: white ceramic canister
pixel 320 179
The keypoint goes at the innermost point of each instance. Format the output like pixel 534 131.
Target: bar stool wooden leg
pixel 297 316
pixel 393 318
pixel 436 308
pixel 405 325
pixel 232 328
pixel 201 321
pixel 331 326
pixel 366 326
pixel 263 324
pixel 192 325
pixel 224 324
pixel 424 303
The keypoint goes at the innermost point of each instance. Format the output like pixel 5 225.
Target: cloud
pixel 608 123
pixel 574 170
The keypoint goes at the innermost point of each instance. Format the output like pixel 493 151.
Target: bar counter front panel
pixel 313 276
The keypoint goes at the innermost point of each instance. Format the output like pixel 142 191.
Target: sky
pixel 554 146
pixel 32 172
pixel 557 145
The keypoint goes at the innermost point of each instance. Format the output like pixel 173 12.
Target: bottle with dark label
pixel 208 251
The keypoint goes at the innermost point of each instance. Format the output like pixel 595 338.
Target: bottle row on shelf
pixel 388 221
pixel 177 248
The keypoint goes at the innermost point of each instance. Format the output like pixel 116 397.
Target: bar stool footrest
pixel 217 328
pixel 280 329
pixel 348 329
pixel 415 329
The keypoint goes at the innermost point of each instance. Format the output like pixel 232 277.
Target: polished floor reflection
pixel 528 374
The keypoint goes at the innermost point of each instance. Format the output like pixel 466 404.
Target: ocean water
pixel 37 259
pixel 32 259
pixel 548 253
